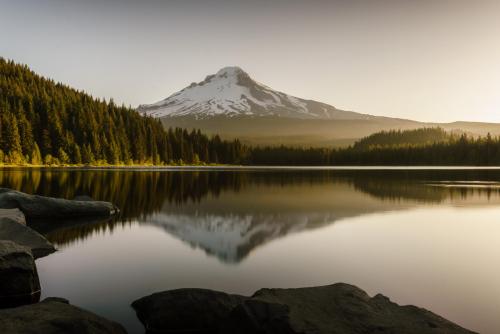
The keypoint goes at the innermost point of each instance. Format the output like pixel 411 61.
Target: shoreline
pixel 241 167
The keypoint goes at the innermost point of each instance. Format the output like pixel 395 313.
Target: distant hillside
pixel 43 122
pixel 275 131
pixel 395 138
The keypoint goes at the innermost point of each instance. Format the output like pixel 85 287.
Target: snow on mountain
pixel 232 92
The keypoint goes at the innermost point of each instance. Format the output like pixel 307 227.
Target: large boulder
pixel 256 316
pixel 23 235
pixel 185 310
pixel 338 308
pixel 334 309
pixel 34 206
pixel 14 215
pixel 55 316
pixel 19 282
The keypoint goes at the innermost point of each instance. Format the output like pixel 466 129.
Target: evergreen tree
pixel 62 156
pixel 87 155
pixel 36 156
pixel 12 141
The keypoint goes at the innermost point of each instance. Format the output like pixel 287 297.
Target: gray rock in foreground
pixel 55 316
pixel 34 206
pixel 334 309
pixel 25 236
pixel 19 282
pixel 185 310
pixel 14 215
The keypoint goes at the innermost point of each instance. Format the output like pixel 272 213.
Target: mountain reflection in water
pixel 230 213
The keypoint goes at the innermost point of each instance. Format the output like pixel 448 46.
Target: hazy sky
pixel 431 60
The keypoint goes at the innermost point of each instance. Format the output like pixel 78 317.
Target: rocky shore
pixel 20 309
pixel 334 309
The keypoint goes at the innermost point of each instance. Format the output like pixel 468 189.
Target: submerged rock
pixel 19 282
pixel 55 316
pixel 25 236
pixel 34 206
pixel 338 308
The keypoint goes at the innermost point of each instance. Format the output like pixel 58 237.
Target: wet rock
pixel 25 236
pixel 34 206
pixel 338 308
pixel 185 310
pixel 55 316
pixel 19 282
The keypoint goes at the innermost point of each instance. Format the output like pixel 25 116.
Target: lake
pixel 428 237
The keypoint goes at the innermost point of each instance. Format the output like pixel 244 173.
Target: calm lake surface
pixel 425 237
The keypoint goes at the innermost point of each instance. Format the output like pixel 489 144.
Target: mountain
pixel 231 92
pixel 232 104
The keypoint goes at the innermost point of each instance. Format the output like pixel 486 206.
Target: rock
pixel 19 282
pixel 185 310
pixel 55 316
pixel 83 198
pixel 13 214
pixel 343 308
pixel 25 236
pixel 338 308
pixel 256 316
pixel 34 206
pixel 56 299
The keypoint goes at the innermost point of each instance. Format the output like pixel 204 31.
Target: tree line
pixel 44 122
pixel 446 150
pixel 414 137
pixel 47 123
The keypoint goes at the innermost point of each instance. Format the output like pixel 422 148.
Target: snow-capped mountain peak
pixel 230 71
pixel 232 92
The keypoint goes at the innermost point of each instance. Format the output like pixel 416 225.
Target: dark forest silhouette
pixel 43 122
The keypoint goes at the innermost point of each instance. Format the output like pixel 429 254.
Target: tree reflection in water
pixel 229 213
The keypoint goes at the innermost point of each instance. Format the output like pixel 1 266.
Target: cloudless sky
pixel 429 60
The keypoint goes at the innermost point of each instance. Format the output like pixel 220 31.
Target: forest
pixel 428 146
pixel 47 123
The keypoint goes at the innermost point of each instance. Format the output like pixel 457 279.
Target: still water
pixel 425 237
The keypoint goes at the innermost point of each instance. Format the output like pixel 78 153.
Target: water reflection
pixel 427 238
pixel 229 214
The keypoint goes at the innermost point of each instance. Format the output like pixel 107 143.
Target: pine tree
pixel 36 156
pixel 76 155
pixel 87 155
pixel 62 156
pixel 12 140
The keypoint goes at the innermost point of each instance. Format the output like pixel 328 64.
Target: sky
pixel 428 60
